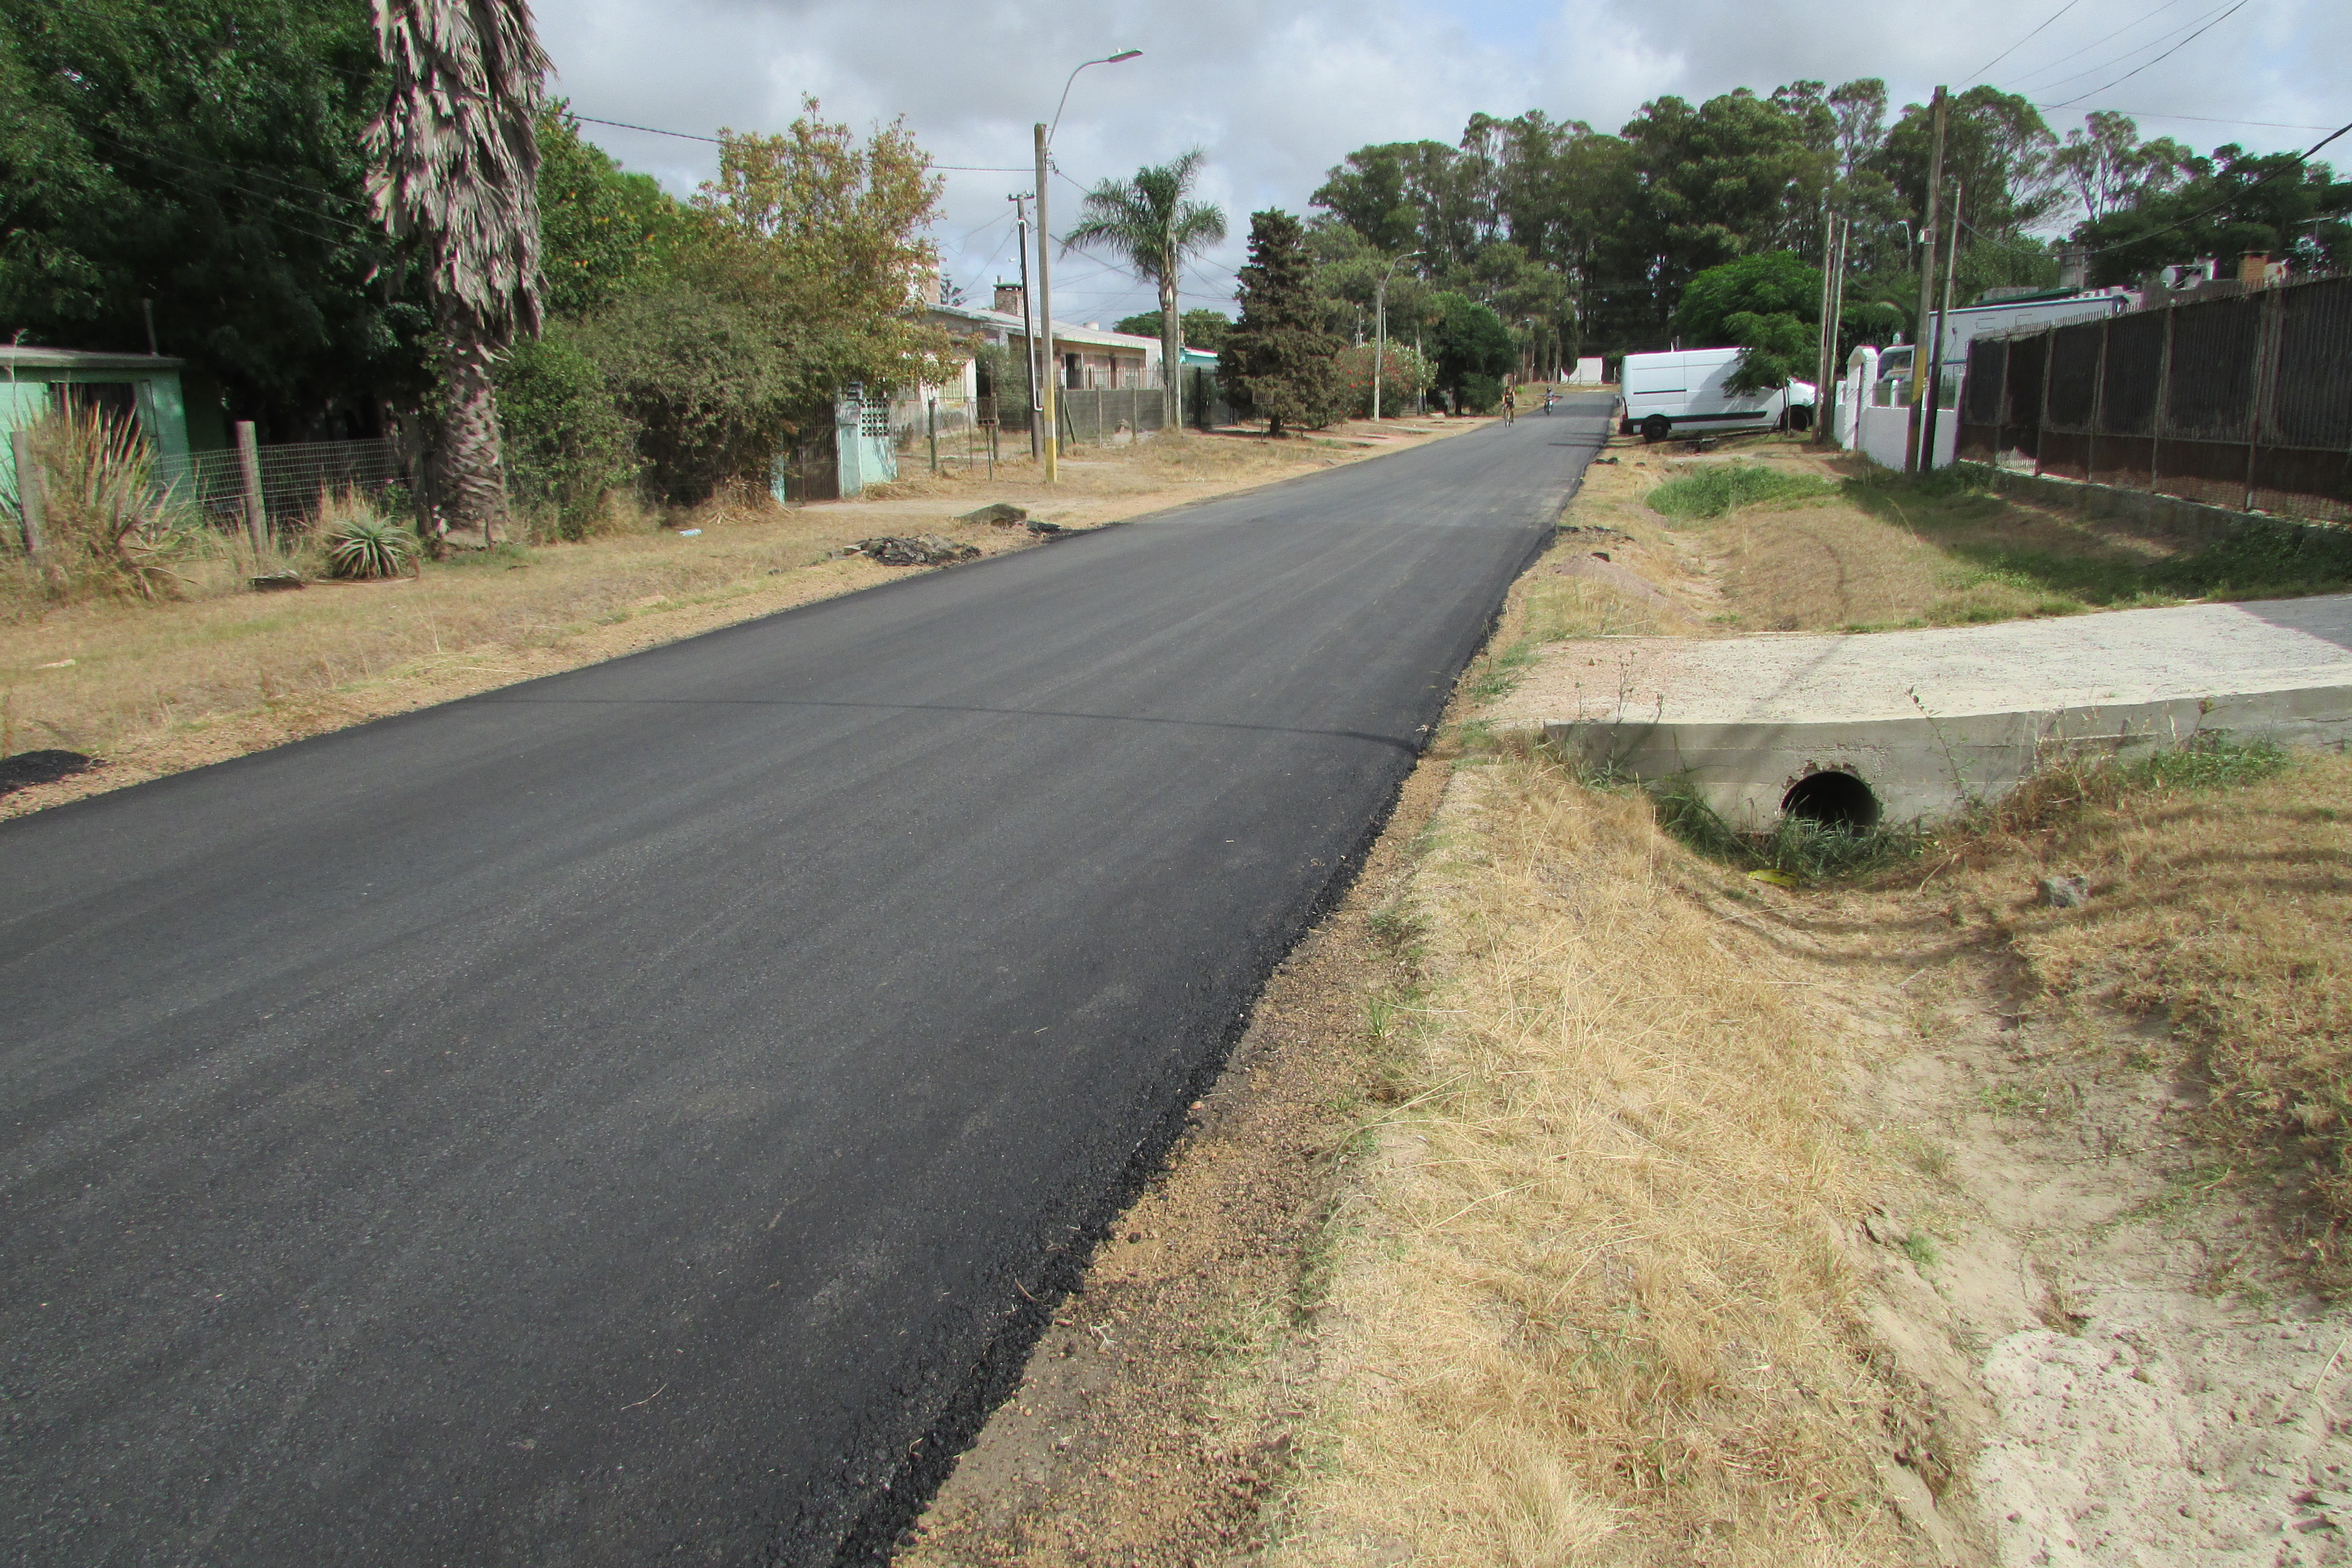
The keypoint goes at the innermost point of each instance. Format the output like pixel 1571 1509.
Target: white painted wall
pixel 1861 376
pixel 1885 431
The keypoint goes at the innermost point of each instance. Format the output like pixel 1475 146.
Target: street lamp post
pixel 1381 329
pixel 1045 140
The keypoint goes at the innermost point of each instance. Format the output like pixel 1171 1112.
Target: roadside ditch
pixel 1576 1196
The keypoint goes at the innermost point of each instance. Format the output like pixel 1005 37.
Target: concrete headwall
pixel 1926 768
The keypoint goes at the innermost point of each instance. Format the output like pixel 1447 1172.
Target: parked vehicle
pixel 1687 390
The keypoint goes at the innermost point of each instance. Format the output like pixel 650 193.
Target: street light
pixel 1044 137
pixel 1380 337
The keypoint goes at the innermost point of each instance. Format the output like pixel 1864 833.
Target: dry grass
pixel 2222 909
pixel 153 688
pixel 99 676
pixel 1592 1302
pixel 1886 554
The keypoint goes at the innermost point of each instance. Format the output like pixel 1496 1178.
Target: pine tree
pixel 1277 362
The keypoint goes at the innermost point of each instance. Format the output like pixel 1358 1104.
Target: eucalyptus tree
pixel 1152 224
pixel 456 167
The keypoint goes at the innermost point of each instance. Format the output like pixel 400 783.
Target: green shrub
pixel 1714 490
pixel 362 544
pixel 711 391
pixel 567 443
pixel 1480 394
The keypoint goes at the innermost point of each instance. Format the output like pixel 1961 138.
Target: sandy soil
pixel 2148 1378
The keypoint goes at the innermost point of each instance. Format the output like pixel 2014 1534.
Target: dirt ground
pixel 150 690
pixel 1574 1199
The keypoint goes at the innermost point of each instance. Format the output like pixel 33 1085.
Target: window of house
pixel 114 399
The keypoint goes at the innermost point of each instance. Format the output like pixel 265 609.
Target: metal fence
pixel 295 477
pixel 950 432
pixel 2243 402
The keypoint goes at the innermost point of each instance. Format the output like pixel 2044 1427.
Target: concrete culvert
pixel 1833 799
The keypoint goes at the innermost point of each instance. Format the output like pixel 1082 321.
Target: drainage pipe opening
pixel 1832 799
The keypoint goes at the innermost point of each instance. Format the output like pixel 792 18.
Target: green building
pixel 146 387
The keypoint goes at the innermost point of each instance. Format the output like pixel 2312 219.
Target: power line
pixel 2093 44
pixel 2300 160
pixel 2025 41
pixel 721 142
pixel 2201 119
pixel 2167 54
pixel 2201 20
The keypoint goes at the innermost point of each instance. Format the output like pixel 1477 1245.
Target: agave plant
pixel 112 526
pixel 364 546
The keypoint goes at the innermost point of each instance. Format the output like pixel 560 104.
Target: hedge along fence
pixel 2243 402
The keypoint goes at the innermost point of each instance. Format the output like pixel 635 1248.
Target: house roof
pixel 22 358
pixel 1005 323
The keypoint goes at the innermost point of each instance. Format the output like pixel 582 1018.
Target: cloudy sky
pixel 1278 94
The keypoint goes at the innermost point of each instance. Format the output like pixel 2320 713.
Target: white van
pixel 1660 394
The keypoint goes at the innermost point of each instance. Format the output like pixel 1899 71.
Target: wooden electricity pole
pixel 1911 464
pixel 1045 316
pixel 1029 339
pixel 1935 360
pixel 1828 352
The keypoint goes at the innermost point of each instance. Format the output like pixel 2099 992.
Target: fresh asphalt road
pixel 622 1118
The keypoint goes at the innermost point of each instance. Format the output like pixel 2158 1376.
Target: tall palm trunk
pixel 456 175
pixel 468 460
pixel 1171 347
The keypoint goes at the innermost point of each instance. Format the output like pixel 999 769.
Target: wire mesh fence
pixel 295 477
pixel 2243 401
pixel 946 433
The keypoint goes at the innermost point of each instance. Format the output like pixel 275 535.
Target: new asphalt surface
pixel 622 1118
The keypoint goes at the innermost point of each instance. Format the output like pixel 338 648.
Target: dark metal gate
pixel 2243 402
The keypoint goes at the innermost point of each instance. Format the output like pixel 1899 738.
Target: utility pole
pixel 1045 263
pixel 1046 313
pixel 1911 463
pixel 1825 398
pixel 1935 360
pixel 1380 338
pixel 1028 331
pixel 1827 350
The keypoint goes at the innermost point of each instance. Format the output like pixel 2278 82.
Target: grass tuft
pixel 1712 491
pixel 1811 850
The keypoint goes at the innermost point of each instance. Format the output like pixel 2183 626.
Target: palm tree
pixel 1148 223
pixel 456 167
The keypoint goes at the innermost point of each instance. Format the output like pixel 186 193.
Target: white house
pixel 1086 357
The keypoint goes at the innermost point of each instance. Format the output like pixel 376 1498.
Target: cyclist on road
pixel 1510 407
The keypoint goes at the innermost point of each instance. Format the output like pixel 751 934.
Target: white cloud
pixel 1278 96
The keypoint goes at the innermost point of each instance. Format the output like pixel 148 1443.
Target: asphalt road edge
pixel 997 1372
